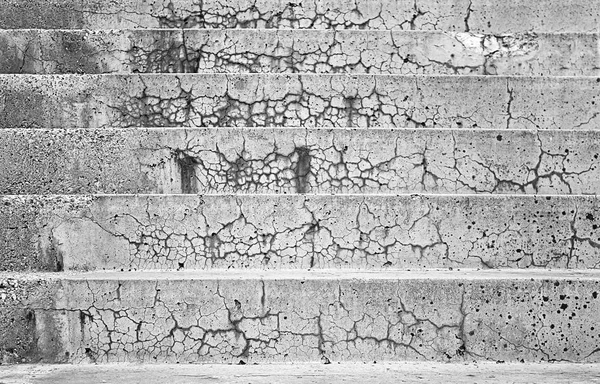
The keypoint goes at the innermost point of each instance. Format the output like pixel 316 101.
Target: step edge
pixel 314 275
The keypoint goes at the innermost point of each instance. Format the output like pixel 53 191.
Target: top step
pixel 481 16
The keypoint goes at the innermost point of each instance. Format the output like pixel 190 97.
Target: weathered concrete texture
pixel 63 101
pixel 456 15
pixel 23 246
pixel 282 51
pixel 18 321
pixel 306 373
pixel 321 316
pixel 295 160
pixel 291 232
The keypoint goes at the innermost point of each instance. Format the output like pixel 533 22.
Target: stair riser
pixel 458 15
pixel 264 51
pixel 274 232
pixel 298 100
pixel 310 320
pixel 289 160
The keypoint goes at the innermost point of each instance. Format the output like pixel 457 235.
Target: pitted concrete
pixel 181 232
pixel 297 224
pixel 325 316
pixel 305 373
pixel 486 16
pixel 295 160
pixel 18 322
pixel 87 101
pixel 289 51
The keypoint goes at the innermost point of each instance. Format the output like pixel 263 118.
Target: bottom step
pixel 486 373
pixel 294 316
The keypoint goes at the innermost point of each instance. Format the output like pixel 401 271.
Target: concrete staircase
pixel 308 181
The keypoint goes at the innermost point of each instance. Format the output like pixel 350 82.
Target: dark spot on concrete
pixel 302 169
pixel 187 171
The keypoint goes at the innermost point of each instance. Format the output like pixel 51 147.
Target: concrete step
pixel 286 51
pixel 286 316
pixel 305 373
pixel 296 231
pixel 87 101
pixel 298 160
pixel 457 15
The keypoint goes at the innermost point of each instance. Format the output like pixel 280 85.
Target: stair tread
pixel 317 274
pixel 292 128
pixel 83 76
pixel 281 30
pixel 304 373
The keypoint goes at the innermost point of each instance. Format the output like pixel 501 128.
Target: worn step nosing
pixel 307 196
pixel 294 30
pixel 299 128
pixel 200 75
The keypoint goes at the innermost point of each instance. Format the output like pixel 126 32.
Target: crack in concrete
pixel 192 232
pixel 251 51
pixel 219 321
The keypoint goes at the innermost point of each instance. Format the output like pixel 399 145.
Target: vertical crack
pixel 467 16
pixel 302 169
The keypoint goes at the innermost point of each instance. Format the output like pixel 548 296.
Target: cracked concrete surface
pixel 233 230
pixel 322 316
pixel 295 160
pixel 88 101
pixel 182 232
pixel 485 16
pixel 282 51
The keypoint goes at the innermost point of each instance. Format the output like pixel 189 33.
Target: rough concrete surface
pixel 326 316
pixel 283 51
pixel 487 16
pixel 294 231
pixel 296 160
pixel 248 182
pixel 305 373
pixel 88 101
pixel 18 321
